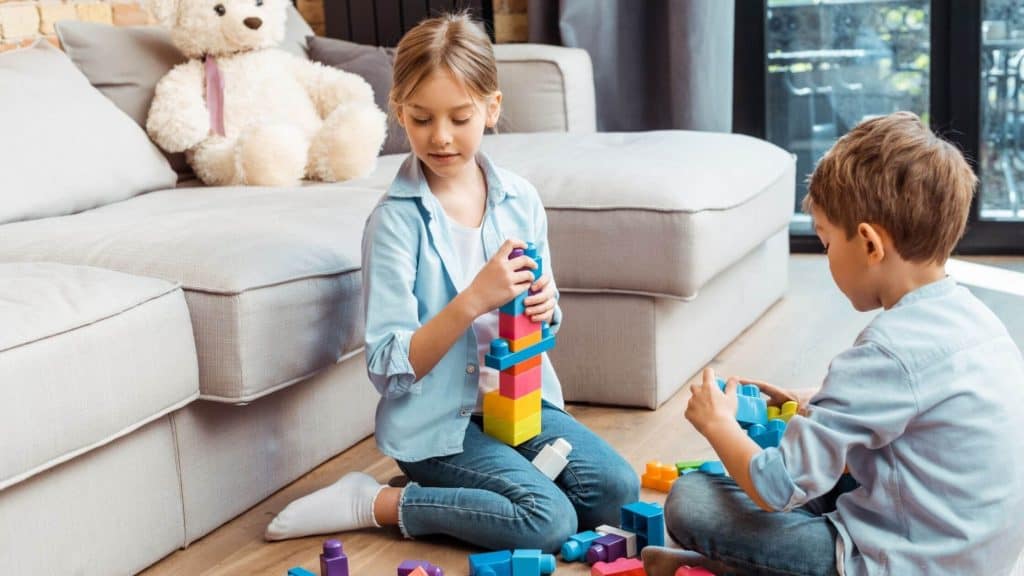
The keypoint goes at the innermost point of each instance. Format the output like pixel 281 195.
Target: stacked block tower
pixel 512 412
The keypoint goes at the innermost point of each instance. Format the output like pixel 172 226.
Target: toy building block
pixel 501 357
pixel 418 571
pixel 511 326
pixel 788 410
pixel 646 520
pixel 684 465
pixel 712 467
pixel 621 567
pixel 409 568
pixel 514 383
pixel 751 408
pixel 693 571
pixel 553 458
pixel 607 548
pixel 630 537
pixel 532 563
pixel 523 367
pixel 333 561
pixel 512 433
pixel 525 342
pixel 659 476
pixel 299 571
pixel 491 564
pixel 575 548
pixel 767 436
pixel 511 409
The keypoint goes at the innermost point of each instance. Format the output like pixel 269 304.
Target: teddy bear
pixel 247 113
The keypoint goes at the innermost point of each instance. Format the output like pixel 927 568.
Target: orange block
pixel 524 366
pixel 659 476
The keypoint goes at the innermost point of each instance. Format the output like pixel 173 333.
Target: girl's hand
pixel 540 304
pixel 709 407
pixel 501 279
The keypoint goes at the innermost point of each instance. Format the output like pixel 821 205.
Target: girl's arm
pixel 499 281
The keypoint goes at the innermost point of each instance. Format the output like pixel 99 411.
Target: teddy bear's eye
pixel 259 3
pixel 220 9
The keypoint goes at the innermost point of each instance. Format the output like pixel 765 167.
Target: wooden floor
pixel 790 345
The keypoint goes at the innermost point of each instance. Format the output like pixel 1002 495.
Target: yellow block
pixel 789 410
pixel 512 433
pixel 511 409
pixel 524 342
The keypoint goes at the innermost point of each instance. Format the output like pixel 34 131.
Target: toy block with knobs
pixel 512 413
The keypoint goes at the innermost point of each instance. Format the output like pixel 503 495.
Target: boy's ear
pixel 493 109
pixel 165 11
pixel 871 239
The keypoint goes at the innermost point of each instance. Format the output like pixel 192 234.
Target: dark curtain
pixel 658 64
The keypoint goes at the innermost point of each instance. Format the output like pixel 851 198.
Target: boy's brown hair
pixel 895 173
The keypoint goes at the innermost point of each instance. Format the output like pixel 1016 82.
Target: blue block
pixel 491 564
pixel 515 307
pixel 646 520
pixel 712 467
pixel 770 435
pixel 299 571
pixel 532 563
pixel 751 408
pixel 576 547
pixel 501 358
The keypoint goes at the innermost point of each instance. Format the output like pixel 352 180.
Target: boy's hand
pixel 540 304
pixel 708 406
pixel 501 279
pixel 776 396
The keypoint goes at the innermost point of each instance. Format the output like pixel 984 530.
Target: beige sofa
pixel 170 359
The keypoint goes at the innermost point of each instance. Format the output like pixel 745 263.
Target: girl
pixel 435 269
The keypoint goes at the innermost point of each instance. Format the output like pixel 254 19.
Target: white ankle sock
pixel 345 505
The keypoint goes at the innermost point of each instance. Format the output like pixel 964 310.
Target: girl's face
pixel 445 123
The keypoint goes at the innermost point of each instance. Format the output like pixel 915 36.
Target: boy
pixel 924 411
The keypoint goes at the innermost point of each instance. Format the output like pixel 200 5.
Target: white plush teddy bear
pixel 247 113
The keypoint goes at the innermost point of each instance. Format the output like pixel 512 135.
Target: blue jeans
pixel 492 496
pixel 713 516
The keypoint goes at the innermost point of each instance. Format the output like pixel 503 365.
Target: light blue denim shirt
pixel 409 276
pixel 927 410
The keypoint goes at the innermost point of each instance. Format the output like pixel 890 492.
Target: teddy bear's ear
pixel 163 10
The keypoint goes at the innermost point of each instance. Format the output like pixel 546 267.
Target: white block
pixel 553 458
pixel 629 536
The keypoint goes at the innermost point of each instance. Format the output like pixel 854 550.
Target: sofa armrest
pixel 546 88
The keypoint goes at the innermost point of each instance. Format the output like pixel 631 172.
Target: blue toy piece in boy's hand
pixel 751 408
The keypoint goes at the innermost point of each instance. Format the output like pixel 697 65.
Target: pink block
pixel 621 567
pixel 515 327
pixel 516 385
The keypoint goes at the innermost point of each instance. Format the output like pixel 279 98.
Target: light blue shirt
pixel 927 410
pixel 409 275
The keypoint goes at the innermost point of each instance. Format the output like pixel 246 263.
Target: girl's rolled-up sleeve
pixel 389 303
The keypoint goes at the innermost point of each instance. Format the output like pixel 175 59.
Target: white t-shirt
pixel 469 249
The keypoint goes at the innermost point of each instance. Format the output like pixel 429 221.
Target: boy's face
pixel 445 123
pixel 849 260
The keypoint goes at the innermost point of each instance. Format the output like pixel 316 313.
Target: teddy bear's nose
pixel 253 23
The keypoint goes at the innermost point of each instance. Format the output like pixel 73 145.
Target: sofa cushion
pixel 86 356
pixel 375 64
pixel 126 62
pixel 694 203
pixel 66 148
pixel 271 276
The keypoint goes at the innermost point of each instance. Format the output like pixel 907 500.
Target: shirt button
pixel 465 412
pixel 470 369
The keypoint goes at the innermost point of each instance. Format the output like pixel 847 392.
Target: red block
pixel 693 571
pixel 516 385
pixel 621 567
pixel 515 327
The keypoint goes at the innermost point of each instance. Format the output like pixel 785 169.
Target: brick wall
pixel 23 21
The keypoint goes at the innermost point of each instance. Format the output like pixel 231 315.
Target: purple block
pixel 333 561
pixel 409 565
pixel 607 548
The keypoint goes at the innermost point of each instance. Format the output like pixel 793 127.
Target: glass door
pixel 1002 111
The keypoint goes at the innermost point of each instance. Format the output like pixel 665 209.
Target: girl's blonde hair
pixel 453 43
